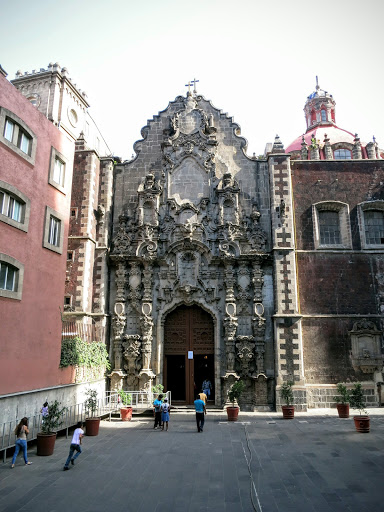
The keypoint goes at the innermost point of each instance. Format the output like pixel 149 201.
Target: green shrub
pixel 344 395
pixel 286 393
pixel 126 398
pixel 54 418
pixel 235 392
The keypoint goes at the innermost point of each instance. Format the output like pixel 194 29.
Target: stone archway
pixel 188 352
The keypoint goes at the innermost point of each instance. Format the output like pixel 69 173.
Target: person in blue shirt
pixel 157 411
pixel 200 411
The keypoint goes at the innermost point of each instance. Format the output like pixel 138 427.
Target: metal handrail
pixel 109 403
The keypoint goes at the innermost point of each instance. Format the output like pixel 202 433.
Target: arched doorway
pixel 188 353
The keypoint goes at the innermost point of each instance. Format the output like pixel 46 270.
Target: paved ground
pixel 316 462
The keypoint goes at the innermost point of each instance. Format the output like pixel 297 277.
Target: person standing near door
pixel 200 411
pixel 207 386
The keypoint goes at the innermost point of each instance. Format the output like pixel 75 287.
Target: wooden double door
pixel 188 353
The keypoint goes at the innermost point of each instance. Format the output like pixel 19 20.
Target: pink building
pixel 36 165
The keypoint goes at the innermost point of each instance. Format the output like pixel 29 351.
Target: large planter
pixel 343 410
pixel 126 413
pixel 45 443
pixel 362 423
pixel 92 426
pixel 232 413
pixel 288 412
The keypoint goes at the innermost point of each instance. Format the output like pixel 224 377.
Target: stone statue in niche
pixel 187 271
pixel 149 183
pixel 229 182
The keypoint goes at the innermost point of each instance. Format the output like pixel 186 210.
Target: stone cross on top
pixel 194 81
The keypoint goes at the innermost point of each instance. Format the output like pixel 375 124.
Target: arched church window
pixel 148 213
pixel 228 211
pixel 342 154
pixel 323 115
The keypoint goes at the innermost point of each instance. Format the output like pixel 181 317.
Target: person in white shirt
pixel 75 445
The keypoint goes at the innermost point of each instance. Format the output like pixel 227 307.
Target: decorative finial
pixel 374 139
pixel 317 83
pixel 189 87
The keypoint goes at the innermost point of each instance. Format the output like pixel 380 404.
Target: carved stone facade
pixel 193 229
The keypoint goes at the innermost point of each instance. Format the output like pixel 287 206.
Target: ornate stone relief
pixel 131 345
pixel 366 346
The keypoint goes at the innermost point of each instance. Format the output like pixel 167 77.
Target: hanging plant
pixel 76 352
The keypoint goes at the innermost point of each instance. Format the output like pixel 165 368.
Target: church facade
pixel 194 261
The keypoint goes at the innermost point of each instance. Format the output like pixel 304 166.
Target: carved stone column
pixel 121 279
pixel 118 326
pixel 147 282
pixel 134 294
pixel 230 326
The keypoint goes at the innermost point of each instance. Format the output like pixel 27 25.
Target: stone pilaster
pixel 287 322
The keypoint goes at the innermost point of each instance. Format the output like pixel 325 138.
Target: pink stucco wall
pixel 30 328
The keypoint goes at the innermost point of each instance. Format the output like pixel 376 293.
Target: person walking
pixel 165 408
pixel 200 411
pixel 203 396
pixel 157 411
pixel 21 432
pixel 75 445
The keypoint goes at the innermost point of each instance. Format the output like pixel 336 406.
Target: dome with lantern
pixel 324 140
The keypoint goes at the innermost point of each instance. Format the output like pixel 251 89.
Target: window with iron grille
pixel 329 226
pixel 374 227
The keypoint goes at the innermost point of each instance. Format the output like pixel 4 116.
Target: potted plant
pixel 51 422
pixel 357 401
pixel 234 394
pixel 342 400
pixel 286 395
pixel 92 423
pixel 126 410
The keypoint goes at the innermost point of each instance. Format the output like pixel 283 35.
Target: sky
pixel 255 60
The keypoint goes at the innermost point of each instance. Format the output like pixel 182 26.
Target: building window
pixel 70 256
pixel 53 230
pixel 10 207
pixel 323 115
pixel 15 134
pixel 342 154
pixel 8 275
pixel 57 170
pixel 15 207
pixel 9 129
pixel 371 224
pixel 11 277
pixel 329 228
pixel 374 227
pixel 332 229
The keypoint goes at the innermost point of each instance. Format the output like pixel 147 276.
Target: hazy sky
pixel 256 60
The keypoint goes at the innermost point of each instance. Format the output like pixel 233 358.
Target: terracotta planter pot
pixel 45 444
pixel 232 413
pixel 126 413
pixel 343 410
pixel 288 412
pixel 362 423
pixel 92 426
